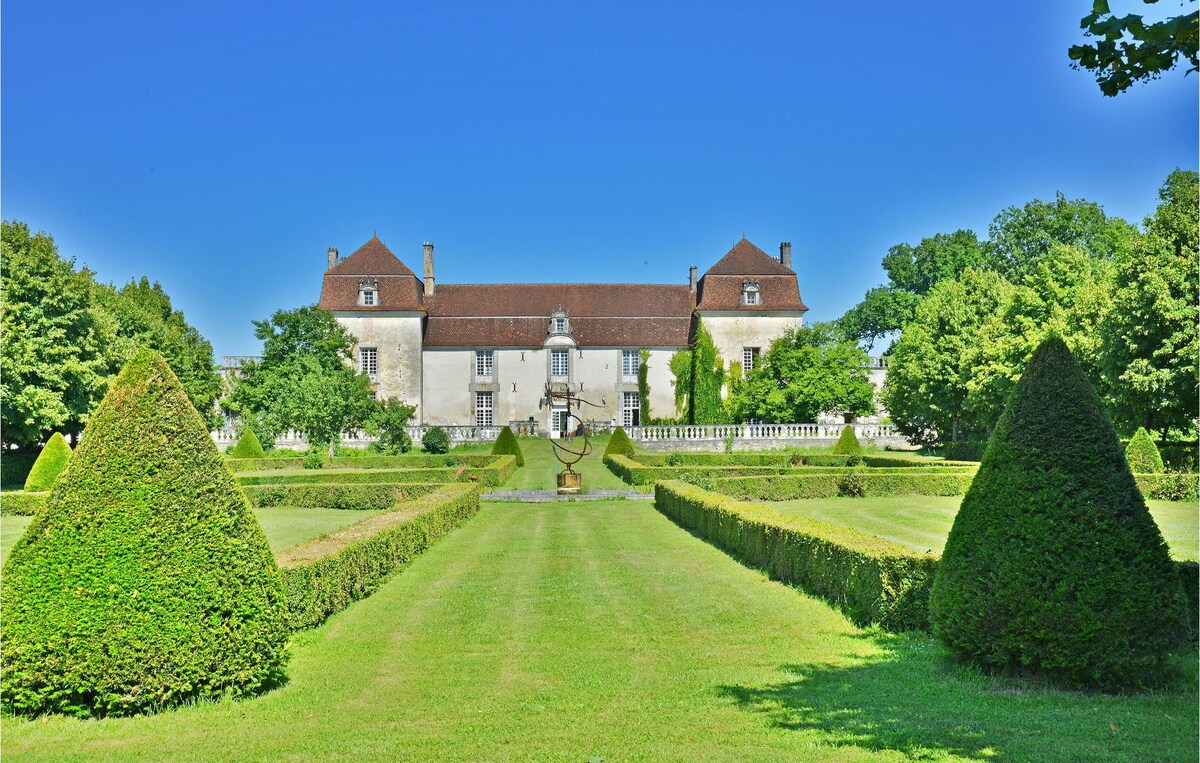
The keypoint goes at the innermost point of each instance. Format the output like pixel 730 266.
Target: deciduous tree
pixel 1129 50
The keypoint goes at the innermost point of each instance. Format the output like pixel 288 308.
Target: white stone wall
pixel 733 331
pixel 447 397
pixel 397 337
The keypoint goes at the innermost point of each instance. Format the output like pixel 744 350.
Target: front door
pixel 558 421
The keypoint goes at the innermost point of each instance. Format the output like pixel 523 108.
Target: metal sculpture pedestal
pixel 570 482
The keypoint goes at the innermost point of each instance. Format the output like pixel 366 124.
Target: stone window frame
pixel 631 403
pixel 750 356
pixel 485 365
pixel 368 293
pixel 563 374
pixel 371 367
pixel 751 293
pixel 631 361
pixel 485 415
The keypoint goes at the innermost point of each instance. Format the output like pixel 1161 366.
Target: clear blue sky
pixel 220 148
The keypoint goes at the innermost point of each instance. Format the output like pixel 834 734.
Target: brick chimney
pixel 333 257
pixel 428 268
pixel 785 254
pixel 692 278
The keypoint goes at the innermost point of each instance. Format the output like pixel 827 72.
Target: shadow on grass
pixel 911 698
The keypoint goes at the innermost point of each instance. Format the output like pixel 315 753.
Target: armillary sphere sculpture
pixel 569 480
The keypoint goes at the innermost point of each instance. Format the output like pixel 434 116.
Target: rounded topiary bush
pixel 506 445
pixel 49 464
pixel 619 444
pixel 247 446
pixel 1141 453
pixel 1054 566
pixel 146 581
pixel 435 440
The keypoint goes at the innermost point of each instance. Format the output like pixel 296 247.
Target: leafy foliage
pixel 619 444
pixel 1130 50
pixel 806 372
pixel 1150 361
pixel 1021 237
pixel 1141 454
pixel 506 445
pixel 146 581
pixel 314 458
pixel 883 310
pixel 643 381
pixel 389 424
pixel 435 440
pixel 55 360
pixel 50 463
pixel 708 376
pixel 1054 565
pixel 247 446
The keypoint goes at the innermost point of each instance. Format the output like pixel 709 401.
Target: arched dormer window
pixel 368 292
pixel 751 293
pixel 560 323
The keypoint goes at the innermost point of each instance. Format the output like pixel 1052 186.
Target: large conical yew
pixel 146 580
pixel 49 464
pixel 1054 565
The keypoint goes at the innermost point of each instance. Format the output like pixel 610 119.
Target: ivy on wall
pixel 699 376
pixel 644 384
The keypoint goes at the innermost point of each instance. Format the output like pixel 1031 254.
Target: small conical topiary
pixel 247 446
pixel 146 580
pixel 847 444
pixel 1054 566
pixel 619 444
pixel 506 445
pixel 1141 453
pixel 49 464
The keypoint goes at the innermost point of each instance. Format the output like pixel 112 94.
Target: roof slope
pixel 399 287
pixel 579 299
pixel 746 259
pixel 371 259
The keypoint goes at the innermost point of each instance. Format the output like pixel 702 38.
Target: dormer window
pixel 560 322
pixel 751 293
pixel 368 293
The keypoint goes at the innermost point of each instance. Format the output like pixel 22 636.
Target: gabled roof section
pixel 746 259
pixel 371 259
pixel 580 299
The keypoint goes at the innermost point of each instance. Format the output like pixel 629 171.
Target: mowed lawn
pixel 285 526
pixel 923 522
pixel 602 631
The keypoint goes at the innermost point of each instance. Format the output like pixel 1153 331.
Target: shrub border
pixel 21 503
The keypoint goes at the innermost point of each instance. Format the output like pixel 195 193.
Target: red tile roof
pixel 340 292
pixel 718 292
pixel 746 259
pixel 448 331
pixel 372 259
pixel 580 299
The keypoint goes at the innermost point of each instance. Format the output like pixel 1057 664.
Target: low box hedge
pixel 1169 486
pixel 495 473
pixel 415 461
pixel 327 574
pixel 863 482
pixel 18 503
pixel 353 496
pixel 872 580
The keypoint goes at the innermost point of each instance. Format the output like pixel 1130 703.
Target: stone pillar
pixel 785 254
pixel 332 254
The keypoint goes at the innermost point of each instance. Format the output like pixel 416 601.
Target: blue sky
pixel 220 148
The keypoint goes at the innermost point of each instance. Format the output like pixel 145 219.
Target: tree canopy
pixel 805 373
pixel 1129 50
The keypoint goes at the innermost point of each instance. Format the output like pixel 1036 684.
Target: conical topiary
pixel 1054 565
pixel 49 464
pixel 619 444
pixel 506 445
pixel 1141 453
pixel 146 580
pixel 847 444
pixel 247 446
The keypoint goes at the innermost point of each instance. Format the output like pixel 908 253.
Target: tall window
pixel 630 360
pixel 749 359
pixel 559 360
pixel 483 364
pixel 483 409
pixel 631 409
pixel 368 361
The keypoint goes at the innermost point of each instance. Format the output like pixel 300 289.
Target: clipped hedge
pixel 506 445
pixel 49 464
pixel 15 466
pixel 619 444
pixel 847 444
pixel 414 461
pixel 873 581
pixel 501 469
pixel 327 574
pixel 787 459
pixel 353 497
pixel 964 450
pixel 20 503
pixel 635 473
pixel 863 482
pixel 1169 486
pixel 827 562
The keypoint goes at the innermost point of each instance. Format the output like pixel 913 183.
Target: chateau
pixel 484 354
